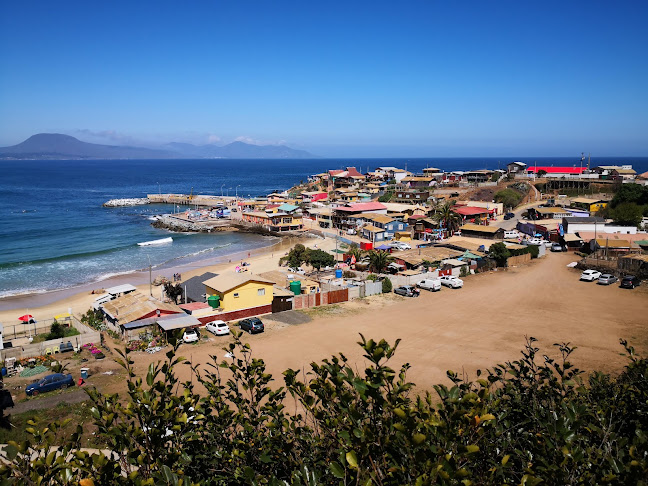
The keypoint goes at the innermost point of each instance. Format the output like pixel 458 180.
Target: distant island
pixel 56 146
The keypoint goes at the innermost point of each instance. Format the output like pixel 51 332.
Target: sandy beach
pixel 79 299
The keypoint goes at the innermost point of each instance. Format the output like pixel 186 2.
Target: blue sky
pixel 374 79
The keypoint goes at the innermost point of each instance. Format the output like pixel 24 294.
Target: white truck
pixel 431 284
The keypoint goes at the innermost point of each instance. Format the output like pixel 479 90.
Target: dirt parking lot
pixel 475 327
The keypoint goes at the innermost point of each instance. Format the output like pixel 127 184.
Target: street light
pixel 237 190
pixel 150 280
pixel 223 185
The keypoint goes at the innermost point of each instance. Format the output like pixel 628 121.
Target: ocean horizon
pixel 55 234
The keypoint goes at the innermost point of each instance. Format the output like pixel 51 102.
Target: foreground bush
pixel 528 421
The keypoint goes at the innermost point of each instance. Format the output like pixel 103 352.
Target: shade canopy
pixel 26 317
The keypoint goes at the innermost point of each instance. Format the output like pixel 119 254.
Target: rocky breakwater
pixel 173 223
pixel 133 201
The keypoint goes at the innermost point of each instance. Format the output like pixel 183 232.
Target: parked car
pixel 607 279
pixel 407 291
pixel 431 284
pixel 49 383
pixel 219 328
pixel 629 282
pixel 451 281
pixel 511 234
pixel 508 216
pixel 533 241
pixel 253 325
pixel 190 336
pixel 556 247
pixel 400 245
pixel 590 275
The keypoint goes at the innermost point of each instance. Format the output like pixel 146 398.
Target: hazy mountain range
pixel 55 146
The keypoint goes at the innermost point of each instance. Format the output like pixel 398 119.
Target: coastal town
pixel 346 237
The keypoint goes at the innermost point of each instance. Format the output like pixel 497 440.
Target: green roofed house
pixel 287 208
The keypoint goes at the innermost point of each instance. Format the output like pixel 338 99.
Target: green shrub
pixel 533 420
pixel 56 331
pixel 386 285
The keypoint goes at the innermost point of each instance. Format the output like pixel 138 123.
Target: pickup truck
pixel 431 284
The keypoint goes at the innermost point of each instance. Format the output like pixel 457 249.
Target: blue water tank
pixel 338 273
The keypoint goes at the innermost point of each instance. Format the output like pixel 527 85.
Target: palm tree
pixel 354 250
pixel 379 260
pixel 446 215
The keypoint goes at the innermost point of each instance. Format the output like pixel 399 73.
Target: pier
pixel 190 199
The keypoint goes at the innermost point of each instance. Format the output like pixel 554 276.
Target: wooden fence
pixel 307 301
pixel 518 260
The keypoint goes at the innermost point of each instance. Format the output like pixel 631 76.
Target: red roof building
pixel 557 170
pixel 471 210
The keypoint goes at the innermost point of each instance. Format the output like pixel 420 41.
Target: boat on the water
pixel 161 241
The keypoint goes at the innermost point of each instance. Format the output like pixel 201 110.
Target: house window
pixel 261 292
pixel 236 295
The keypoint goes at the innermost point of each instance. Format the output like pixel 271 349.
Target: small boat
pixel 161 241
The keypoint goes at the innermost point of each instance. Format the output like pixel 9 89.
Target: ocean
pixel 55 234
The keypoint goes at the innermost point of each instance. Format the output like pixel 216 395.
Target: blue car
pixel 49 383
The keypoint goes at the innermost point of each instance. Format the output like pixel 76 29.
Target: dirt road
pixel 475 327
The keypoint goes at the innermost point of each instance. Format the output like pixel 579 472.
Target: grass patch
pixel 67 332
pixel 79 413
pixel 324 310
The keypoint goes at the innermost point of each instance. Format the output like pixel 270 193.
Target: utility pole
pixel 150 276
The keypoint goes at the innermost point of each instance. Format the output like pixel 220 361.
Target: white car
pixel 431 284
pixel 533 241
pixel 219 328
pixel 590 275
pixel 190 336
pixel 450 281
pixel 399 245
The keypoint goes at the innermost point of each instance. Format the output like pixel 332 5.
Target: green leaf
pixel 472 448
pixel 418 438
pixel 11 451
pixel 337 470
pixel 505 459
pixel 352 459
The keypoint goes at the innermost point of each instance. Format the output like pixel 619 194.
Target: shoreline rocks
pixel 133 201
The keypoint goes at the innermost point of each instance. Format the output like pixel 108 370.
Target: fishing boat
pixel 161 241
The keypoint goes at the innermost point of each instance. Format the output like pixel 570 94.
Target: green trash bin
pixel 295 287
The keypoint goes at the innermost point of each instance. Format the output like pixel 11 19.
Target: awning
pixel 65 315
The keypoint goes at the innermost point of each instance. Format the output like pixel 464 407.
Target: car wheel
pixel 34 393
pixel 63 387
pixel 250 331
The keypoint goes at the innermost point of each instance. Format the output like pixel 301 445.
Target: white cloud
pixel 254 141
pixel 111 135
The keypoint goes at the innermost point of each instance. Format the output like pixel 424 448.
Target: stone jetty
pixel 133 201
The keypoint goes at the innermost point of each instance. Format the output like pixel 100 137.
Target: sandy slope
pixel 475 327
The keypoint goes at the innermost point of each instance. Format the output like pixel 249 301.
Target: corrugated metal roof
pixel 133 306
pixel 480 228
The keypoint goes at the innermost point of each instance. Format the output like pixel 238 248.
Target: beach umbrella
pixel 26 317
